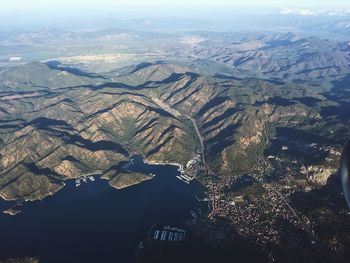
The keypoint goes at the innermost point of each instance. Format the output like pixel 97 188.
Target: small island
pixel 123 180
pixel 12 211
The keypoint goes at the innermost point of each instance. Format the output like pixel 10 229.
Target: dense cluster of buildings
pixel 261 210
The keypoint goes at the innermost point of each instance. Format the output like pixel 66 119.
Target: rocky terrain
pixel 66 123
pixel 277 116
pixel 282 56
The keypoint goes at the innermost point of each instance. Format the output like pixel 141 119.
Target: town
pixel 258 205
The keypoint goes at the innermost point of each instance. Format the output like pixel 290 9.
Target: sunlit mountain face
pixel 212 135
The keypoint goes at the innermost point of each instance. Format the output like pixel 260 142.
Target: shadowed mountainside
pixel 79 124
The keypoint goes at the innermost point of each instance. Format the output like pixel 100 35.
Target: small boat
pixel 91 179
pixel 125 166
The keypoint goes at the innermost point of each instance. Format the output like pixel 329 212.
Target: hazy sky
pixel 7 5
pixel 38 13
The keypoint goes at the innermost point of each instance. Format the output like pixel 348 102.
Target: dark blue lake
pixel 95 222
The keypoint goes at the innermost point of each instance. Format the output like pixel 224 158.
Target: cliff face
pixel 64 125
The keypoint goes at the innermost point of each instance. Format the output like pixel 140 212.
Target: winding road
pixel 177 114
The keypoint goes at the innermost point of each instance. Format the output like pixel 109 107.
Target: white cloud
pixel 297 11
pixel 308 12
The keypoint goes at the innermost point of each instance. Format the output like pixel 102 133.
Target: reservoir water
pixel 95 222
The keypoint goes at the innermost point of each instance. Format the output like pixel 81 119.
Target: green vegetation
pixel 123 180
pixel 68 123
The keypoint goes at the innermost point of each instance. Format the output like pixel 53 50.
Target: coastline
pixel 96 173
pixel 162 163
pixel 32 199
